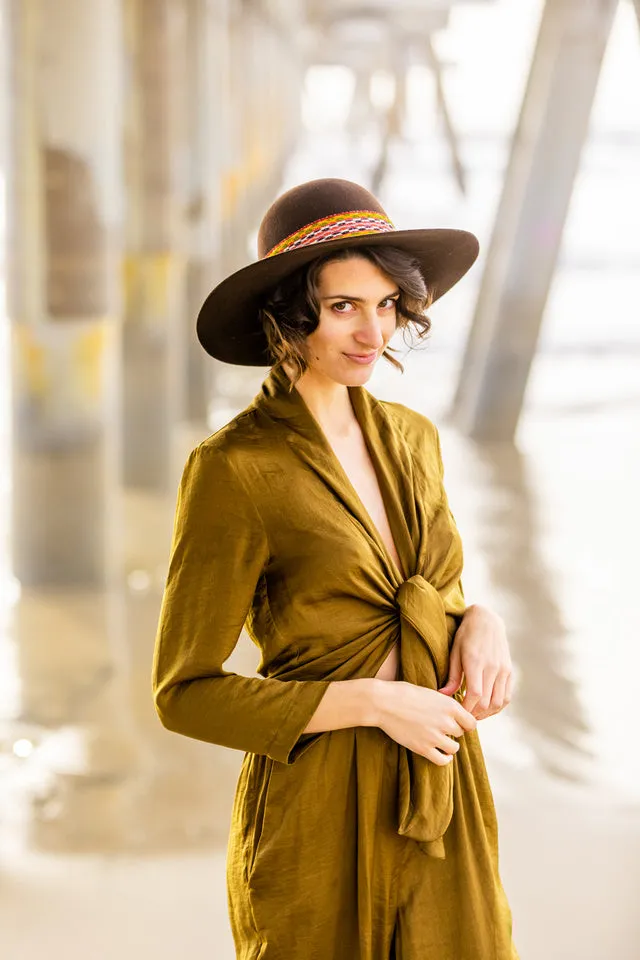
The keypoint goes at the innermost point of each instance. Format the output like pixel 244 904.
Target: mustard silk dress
pixel 344 845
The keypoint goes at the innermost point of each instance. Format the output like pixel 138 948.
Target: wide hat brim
pixel 228 326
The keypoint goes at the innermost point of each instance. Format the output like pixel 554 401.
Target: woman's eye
pixel 338 307
pixel 389 303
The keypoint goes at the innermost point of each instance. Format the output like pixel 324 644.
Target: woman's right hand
pixel 421 719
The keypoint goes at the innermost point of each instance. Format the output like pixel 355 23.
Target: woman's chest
pixel 357 465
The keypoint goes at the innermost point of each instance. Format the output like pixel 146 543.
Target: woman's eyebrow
pixel 343 296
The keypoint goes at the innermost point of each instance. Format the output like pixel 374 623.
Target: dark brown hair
pixel 291 310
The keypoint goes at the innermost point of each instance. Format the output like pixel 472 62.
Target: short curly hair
pixel 291 310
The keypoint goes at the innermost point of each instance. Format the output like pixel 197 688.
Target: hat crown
pixel 308 203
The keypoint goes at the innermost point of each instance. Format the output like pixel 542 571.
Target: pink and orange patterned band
pixel 352 223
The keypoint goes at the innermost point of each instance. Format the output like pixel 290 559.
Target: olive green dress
pixel 343 844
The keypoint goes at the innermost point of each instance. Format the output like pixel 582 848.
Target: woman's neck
pixel 328 401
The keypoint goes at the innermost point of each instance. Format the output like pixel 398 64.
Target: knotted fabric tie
pixel 425 788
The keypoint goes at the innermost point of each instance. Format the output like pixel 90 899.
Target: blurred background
pixel 141 142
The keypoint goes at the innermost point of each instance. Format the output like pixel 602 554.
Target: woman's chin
pixel 362 376
pixel 355 378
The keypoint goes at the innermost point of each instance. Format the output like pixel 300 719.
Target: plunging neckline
pixel 337 463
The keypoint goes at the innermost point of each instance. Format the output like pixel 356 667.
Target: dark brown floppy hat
pixel 307 222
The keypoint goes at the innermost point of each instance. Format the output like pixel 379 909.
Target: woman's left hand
pixel 480 651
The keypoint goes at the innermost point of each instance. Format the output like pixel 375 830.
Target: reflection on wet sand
pixel 547 701
pixel 93 770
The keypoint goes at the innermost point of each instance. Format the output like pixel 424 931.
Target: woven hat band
pixel 351 223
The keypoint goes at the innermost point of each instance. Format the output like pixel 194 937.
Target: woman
pixel 363 826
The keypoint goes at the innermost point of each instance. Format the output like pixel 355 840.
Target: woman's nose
pixel 370 332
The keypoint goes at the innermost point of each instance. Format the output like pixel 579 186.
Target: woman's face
pixel 357 319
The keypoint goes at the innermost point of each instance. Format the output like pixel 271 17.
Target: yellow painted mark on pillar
pixel 230 193
pixel 63 365
pixel 89 359
pixel 256 162
pixel 31 358
pixel 151 286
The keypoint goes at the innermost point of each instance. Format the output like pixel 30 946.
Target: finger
pixel 447 744
pixel 455 674
pixel 509 689
pixel 455 730
pixel 466 719
pixel 498 695
pixel 474 687
pixel 482 709
pixel 441 759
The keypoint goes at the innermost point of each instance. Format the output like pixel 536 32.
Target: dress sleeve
pixel 219 550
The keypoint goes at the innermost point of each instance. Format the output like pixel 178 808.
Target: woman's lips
pixel 362 357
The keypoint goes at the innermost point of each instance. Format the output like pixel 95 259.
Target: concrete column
pixel 154 339
pixel 228 119
pixel 64 213
pixel 233 252
pixel 399 57
pixel 7 95
pixel 70 709
pixel 282 92
pixel 207 111
pixel 264 80
pixel 522 256
pixel 361 110
pixel 447 120
pixel 250 44
pixel 253 78
pixel 392 119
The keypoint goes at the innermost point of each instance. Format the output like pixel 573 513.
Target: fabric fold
pixel 425 801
